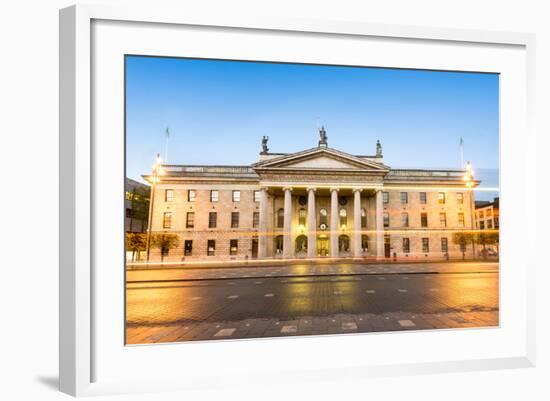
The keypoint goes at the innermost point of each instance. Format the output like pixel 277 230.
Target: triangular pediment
pixel 321 159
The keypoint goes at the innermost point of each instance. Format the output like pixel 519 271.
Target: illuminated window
pixel 489 224
pixel 167 220
pixel 190 220
pixel 461 219
pixel 168 195
pixel 214 195
pixel 364 243
pixel 323 216
pixel 302 213
pixel 191 195
pixel 212 219
pixel 343 217
pixel 211 247
pixel 441 198
pixel 234 219
pixel 278 244
pixel 385 197
pixel 404 197
pixel 257 195
pixel 363 218
pixel 443 219
pixel 233 247
pixel 343 243
pixel 236 196
pixel 459 198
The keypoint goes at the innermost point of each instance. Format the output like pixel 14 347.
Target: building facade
pixel 316 203
pixel 136 204
pixel 487 215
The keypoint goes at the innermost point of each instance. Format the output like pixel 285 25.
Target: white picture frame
pixel 83 347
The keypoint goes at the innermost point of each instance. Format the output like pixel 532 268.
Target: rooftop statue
pixel 265 149
pixel 378 149
pixel 323 137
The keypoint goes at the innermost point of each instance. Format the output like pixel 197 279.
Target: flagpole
pixel 461 153
pixel 166 145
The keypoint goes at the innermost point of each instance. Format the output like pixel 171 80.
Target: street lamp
pixel 155 178
pixel 469 182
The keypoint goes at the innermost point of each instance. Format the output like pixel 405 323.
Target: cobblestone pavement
pixel 298 270
pixel 188 310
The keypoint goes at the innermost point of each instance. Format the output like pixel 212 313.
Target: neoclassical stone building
pixel 317 203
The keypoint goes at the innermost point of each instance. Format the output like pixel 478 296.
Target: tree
pixel 462 239
pixel 164 242
pixel 136 242
pixel 490 238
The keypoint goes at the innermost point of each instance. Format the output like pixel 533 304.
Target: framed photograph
pixel 246 200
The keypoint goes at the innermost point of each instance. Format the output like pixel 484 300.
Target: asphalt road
pixel 287 298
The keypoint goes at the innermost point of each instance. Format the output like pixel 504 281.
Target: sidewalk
pixel 305 270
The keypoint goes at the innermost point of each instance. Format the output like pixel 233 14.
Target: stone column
pixel 262 231
pixel 287 224
pixel 379 225
pixel 334 222
pixel 311 224
pixel 356 240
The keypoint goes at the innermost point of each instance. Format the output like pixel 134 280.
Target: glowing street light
pixel 469 176
pixel 157 172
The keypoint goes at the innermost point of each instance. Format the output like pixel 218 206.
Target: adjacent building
pixel 316 203
pixel 487 215
pixel 136 204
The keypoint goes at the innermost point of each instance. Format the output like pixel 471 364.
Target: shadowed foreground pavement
pixel 212 309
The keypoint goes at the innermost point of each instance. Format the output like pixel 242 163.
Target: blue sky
pixel 217 112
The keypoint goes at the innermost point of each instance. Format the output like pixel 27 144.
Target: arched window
pixel 278 244
pixel 364 243
pixel 323 217
pixel 280 218
pixel 363 218
pixel 343 243
pixel 302 213
pixel 301 243
pixel 343 217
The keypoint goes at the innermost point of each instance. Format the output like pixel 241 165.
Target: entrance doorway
pixel 322 246
pixel 387 250
pixel 254 248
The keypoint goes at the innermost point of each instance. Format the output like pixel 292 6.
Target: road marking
pixel 434 289
pixel 289 329
pixel 349 326
pixel 338 292
pixel 225 333
pixel 269 295
pixel 405 278
pixel 233 297
pixel 223 276
pixel 402 290
pixel 259 282
pixel 195 298
pixel 381 278
pixel 406 323
pixel 371 291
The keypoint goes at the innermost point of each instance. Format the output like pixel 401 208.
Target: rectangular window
pixel 481 225
pixel 302 217
pixel 257 196
pixel 214 195
pixel 129 213
pixel 385 197
pixel 496 222
pixel 489 224
pixel 211 247
pixel 489 212
pixel 444 245
pixel 443 219
pixel 405 219
pixel 404 197
pixel 425 245
pixel 190 220
pixel 167 220
pixel 461 219
pixel 168 195
pixel 363 218
pixel 386 219
pixel 441 198
pixel 212 219
pixel 233 247
pixel 188 247
pixel 424 219
pixel 423 197
pixel 255 219
pixel 234 219
pixel 406 245
pixel 481 214
pixel 460 198
pixel 236 196
pixel 191 195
